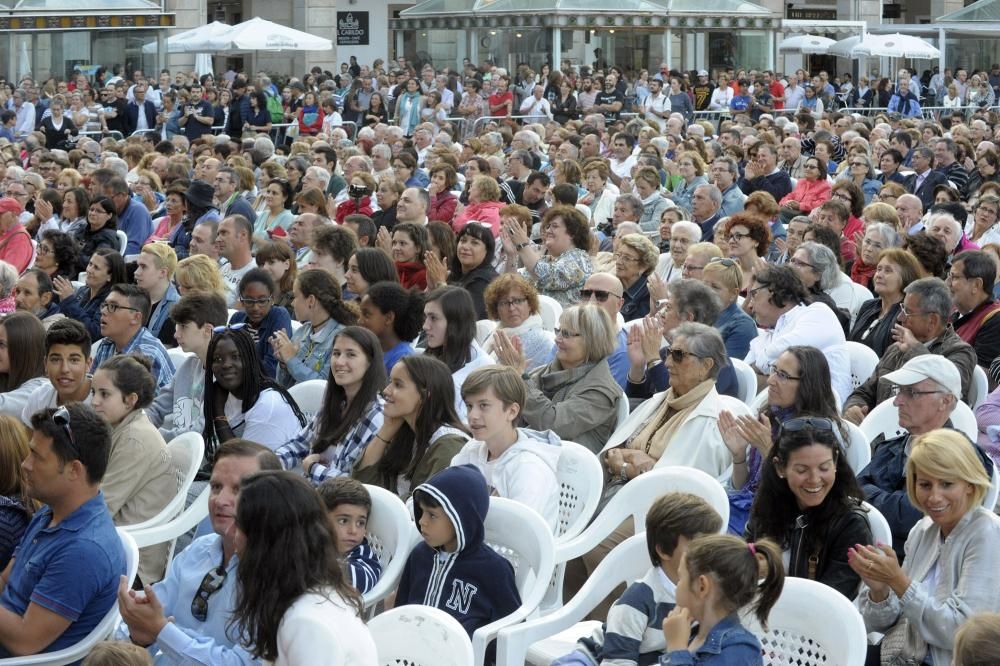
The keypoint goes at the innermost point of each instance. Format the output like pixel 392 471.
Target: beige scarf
pixel 655 436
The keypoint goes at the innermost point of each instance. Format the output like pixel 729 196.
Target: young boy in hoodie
pixel 453 569
pixel 633 633
pixel 348 505
pixel 518 463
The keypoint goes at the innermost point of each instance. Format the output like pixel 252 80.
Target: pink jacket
pixel 808 193
pixel 487 212
pixel 442 208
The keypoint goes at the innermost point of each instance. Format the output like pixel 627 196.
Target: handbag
pixel 902 647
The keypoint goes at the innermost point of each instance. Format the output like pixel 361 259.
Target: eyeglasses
pixel 44 249
pixel 61 418
pixel 870 243
pixel 677 355
pixel 807 422
pixel 811 165
pixel 511 302
pixel 951 277
pixel 736 237
pixel 112 308
pixel 228 327
pixel 906 313
pixel 624 257
pixel 566 335
pixel 909 392
pixel 600 294
pixel 752 293
pixel 255 301
pixel 210 584
pixel 783 376
pixel 801 264
pixel 687 268
pixel 725 261
pixel 860 164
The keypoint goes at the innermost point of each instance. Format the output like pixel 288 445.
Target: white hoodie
pixel 525 473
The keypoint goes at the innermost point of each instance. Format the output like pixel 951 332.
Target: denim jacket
pixel 727 644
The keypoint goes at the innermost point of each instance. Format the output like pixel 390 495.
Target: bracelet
pixel 222 418
pixel 740 462
pixel 378 436
pixel 521 246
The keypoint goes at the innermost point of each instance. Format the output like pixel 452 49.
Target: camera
pixel 358 191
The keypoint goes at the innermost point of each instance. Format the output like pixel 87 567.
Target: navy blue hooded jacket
pixel 474 584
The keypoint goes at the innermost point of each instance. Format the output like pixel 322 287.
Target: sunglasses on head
pixel 228 327
pixel 61 417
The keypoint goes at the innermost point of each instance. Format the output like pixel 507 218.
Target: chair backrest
pixel 980 387
pixel 523 538
pixel 859 452
pixel 188 519
pixel 881 532
pixel 759 402
pixel 581 482
pixel 296 325
pixel 187 452
pixel 122 241
pixel 392 536
pixel 74 653
pixel 178 356
pixel 794 636
pixel 746 379
pixel 420 636
pixel 990 501
pixel 626 563
pixel 309 396
pixel 484 329
pixel 622 408
pixel 884 419
pixel 863 362
pixel 550 311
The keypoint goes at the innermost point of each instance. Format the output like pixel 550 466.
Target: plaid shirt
pixel 145 343
pixel 339 459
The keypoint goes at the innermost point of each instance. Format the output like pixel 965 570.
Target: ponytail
pixel 736 567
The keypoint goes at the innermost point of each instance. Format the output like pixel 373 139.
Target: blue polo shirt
pixel 137 224
pixel 71 569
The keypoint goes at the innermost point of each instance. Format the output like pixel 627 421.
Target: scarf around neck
pixel 532 323
pixel 414 113
pixel 656 434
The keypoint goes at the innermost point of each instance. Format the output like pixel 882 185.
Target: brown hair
pixel 502 286
pixel 736 568
pixel 759 230
pixel 676 515
pixel 576 224
pixel 279 250
pixel 15 449
pixel 977 642
pixel 344 490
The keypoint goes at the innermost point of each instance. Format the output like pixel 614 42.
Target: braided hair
pixel 254 383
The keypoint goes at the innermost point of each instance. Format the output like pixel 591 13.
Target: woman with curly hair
pixel 748 238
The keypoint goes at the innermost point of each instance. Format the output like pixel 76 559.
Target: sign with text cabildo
pixel 352 28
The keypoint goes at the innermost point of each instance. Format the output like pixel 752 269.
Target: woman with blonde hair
pixel 952 555
pixel 484 205
pixel 877 211
pixel 16 507
pixel 199 273
pixel 647 187
pixel 311 200
pixel 725 277
pixel 691 169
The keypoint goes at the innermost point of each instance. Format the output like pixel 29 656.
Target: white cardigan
pixel 697 443
pixel 322 631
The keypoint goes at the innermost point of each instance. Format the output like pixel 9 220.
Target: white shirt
pixel 793 96
pixel 25 123
pixel 270 421
pixel 140 118
pixel 659 103
pixel 43 397
pixel 322 630
pixel 535 108
pixel 814 325
pixel 232 277
pixel 721 98
pixel 623 169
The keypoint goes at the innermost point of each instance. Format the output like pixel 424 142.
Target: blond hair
pixel 977 642
pixel 946 454
pixel 164 255
pixel 595 325
pixel 199 273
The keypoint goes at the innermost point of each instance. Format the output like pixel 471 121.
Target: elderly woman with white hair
pixel 817 268
pixel 683 235
pixel 635 258
pixel 878 236
pixel 8 278
pixel 575 395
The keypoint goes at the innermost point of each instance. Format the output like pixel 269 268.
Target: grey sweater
pixel 181 400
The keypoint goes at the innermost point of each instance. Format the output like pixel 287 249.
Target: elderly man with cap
pixel 15 243
pixel 925 390
pixel 922 328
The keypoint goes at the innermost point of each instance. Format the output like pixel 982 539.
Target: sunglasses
pixel 61 418
pixel 228 327
pixel 725 261
pixel 807 422
pixel 210 584
pixel 677 355
pixel 599 294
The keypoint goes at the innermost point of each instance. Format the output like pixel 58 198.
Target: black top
pixel 871 331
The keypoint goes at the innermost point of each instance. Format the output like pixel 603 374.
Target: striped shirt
pixel 338 459
pixel 363 566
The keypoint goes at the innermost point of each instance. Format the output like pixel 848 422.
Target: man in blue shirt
pixel 133 218
pixel 199 611
pixel 122 314
pixel 64 575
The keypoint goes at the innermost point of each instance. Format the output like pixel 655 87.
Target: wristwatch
pixel 623 473
pixel 521 246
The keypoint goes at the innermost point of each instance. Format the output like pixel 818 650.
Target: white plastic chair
pixel 980 387
pixel 993 494
pixel 881 532
pixel 746 379
pixel 309 397
pixel 863 362
pixel 884 419
pixel 392 536
pixel 187 452
pixel 581 482
pixel 484 329
pixel 296 325
pixel 634 500
pixel 122 241
pixel 188 519
pixel 178 356
pixel 550 311
pixel 75 653
pixel 524 539
pixel 540 640
pixel 419 636
pixel 622 408
pixel 859 450
pixel 796 636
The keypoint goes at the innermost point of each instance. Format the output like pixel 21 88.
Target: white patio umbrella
pixel 845 47
pixel 178 43
pixel 806 44
pixel 260 35
pixel 890 46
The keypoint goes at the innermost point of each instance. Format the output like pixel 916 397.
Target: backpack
pixel 274 108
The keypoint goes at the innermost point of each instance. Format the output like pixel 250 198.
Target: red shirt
pixel 16 248
pixel 496 100
pixel 777 90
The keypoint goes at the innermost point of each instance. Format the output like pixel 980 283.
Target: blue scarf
pixel 414 100
pixel 309 115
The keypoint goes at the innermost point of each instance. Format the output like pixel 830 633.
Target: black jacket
pixel 830 560
pixel 880 338
pixel 926 191
pixel 777 184
pixel 475 282
pixel 54 138
pixel 91 241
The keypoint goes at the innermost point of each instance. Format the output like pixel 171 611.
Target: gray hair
pixel 693 229
pixel 321 173
pixel 264 146
pixel 731 164
pixel 704 342
pixel 118 165
pixel 634 202
pixel 714 193
pixel 935 298
pixel 824 263
pixel 382 150
pixel 599 332
pixel 8 278
pixel 694 299
pixel 890 237
pixel 626 228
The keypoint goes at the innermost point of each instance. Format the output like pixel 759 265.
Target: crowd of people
pixel 483 265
